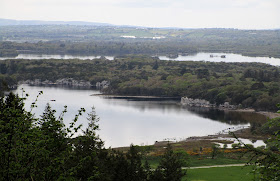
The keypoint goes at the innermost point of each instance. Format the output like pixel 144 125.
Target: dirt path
pixel 212 166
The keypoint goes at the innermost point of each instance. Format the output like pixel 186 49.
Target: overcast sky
pixel 242 14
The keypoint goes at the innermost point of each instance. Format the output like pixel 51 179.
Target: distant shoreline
pixel 135 97
pixel 269 115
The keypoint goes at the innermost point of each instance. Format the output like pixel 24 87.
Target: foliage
pixel 267 160
pixel 16 139
pixel 215 150
pixel 170 167
pixel 45 149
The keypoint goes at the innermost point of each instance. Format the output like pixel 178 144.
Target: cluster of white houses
pixel 185 101
pixel 64 81
pixel 67 82
pixel 102 85
pixel 196 102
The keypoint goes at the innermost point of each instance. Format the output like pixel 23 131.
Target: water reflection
pixel 165 106
pixel 228 116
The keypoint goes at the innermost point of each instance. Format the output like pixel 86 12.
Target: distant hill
pixel 7 22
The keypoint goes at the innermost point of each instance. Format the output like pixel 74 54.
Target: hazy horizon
pixel 109 24
pixel 239 14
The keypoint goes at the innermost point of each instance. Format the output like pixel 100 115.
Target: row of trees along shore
pixel 247 85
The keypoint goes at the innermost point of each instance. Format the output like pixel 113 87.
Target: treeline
pixel 267 160
pixel 110 40
pixel 148 47
pixel 45 149
pixel 8 52
pixel 246 85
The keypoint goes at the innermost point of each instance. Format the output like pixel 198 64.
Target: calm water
pixel 45 56
pixel 124 121
pixel 230 57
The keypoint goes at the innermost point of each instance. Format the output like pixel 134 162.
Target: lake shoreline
pixel 110 96
pixel 192 142
pixel 221 138
pixel 270 115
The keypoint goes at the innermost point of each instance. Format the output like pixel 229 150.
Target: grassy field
pixel 195 162
pixel 236 173
pixel 218 161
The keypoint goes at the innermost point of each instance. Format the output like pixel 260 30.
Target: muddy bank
pixel 269 115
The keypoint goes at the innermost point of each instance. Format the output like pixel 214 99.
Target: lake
pixel 230 57
pixel 126 121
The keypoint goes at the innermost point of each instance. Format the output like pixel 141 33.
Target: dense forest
pixel 106 40
pixel 97 48
pixel 246 85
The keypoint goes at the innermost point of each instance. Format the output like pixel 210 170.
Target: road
pixel 212 166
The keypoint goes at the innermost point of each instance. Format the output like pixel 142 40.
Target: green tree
pixel 16 139
pixel 89 160
pixel 52 147
pixel 215 150
pixel 129 166
pixel 135 170
pixel 170 167
pixel 267 160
